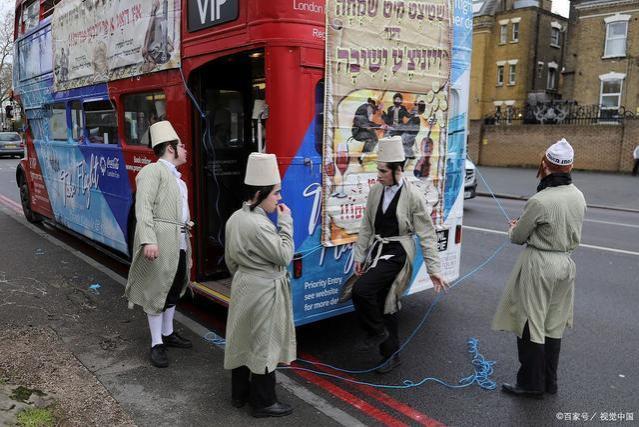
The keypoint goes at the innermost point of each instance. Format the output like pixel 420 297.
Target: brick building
pixel 602 60
pixel 518 50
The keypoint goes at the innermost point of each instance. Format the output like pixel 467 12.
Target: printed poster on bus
pixel 97 41
pixel 388 69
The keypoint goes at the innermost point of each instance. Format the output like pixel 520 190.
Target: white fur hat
pixel 391 150
pixel 262 170
pixel 163 132
pixel 560 153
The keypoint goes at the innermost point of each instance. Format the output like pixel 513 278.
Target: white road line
pixel 622 224
pixel 295 388
pixel 583 245
pixel 491 203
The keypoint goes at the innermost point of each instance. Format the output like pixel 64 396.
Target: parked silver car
pixel 470 180
pixel 11 144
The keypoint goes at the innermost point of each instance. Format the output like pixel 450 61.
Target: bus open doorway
pixel 231 91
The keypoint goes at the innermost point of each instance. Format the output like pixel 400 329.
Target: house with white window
pixel 601 66
pixel 518 49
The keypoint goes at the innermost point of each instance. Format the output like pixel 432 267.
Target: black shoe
pixel 158 356
pixel 390 364
pixel 174 340
pixel 518 391
pixel 551 389
pixel 275 410
pixel 374 341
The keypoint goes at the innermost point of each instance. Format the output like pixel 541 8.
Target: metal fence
pixel 558 112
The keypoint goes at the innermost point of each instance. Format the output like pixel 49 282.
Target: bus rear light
pixel 458 234
pixel 297 266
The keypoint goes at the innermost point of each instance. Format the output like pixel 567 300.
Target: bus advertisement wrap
pixel 365 71
pixel 113 39
pixel 387 74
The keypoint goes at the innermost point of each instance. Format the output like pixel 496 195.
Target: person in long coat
pixel 161 254
pixel 384 254
pixel 537 303
pixel 260 332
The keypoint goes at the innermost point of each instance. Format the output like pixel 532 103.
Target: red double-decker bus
pixel 232 76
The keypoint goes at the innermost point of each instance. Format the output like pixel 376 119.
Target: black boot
pixel 551 354
pixel 275 410
pixel 518 391
pixel 175 340
pixel 158 356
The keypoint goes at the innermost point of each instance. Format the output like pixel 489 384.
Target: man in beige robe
pixel 161 254
pixel 260 331
pixel 396 211
pixel 537 303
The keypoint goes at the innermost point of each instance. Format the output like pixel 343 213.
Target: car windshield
pixel 9 137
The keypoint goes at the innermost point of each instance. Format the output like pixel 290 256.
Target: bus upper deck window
pixel 141 110
pixel 101 122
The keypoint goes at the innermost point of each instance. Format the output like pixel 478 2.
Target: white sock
pixel 155 325
pixel 167 321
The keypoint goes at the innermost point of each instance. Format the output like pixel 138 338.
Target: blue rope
pixel 492 194
pixel 214 339
pixel 188 91
pixel 483 368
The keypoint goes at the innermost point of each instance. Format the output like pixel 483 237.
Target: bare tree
pixel 6 55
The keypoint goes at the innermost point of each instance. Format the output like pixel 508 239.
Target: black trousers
pixel 176 288
pixel 258 390
pixel 538 370
pixel 369 296
pixel 635 169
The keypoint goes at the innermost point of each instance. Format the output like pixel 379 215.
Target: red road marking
pixel 375 393
pixel 350 398
pixel 10 204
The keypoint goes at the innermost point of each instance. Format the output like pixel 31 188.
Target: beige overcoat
pixel 157 198
pixel 260 330
pixel 541 286
pixel 413 216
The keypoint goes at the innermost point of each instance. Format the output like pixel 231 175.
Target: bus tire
pixel 25 199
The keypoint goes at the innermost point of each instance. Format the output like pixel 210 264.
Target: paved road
pixel 8 186
pixel 605 189
pixel 597 368
pixel 598 356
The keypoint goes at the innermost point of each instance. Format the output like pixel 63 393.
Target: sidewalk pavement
pixel 610 190
pixel 45 287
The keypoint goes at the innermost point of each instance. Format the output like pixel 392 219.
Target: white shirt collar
pixel 395 187
pixel 172 168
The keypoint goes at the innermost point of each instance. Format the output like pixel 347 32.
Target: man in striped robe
pixel 161 254
pixel 537 303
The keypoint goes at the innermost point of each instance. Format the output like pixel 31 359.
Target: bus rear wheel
pixel 29 214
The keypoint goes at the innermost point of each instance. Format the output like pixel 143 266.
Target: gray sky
pixel 561 7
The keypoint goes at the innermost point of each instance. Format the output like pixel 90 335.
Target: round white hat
pixel 560 153
pixel 391 150
pixel 163 132
pixel 262 170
